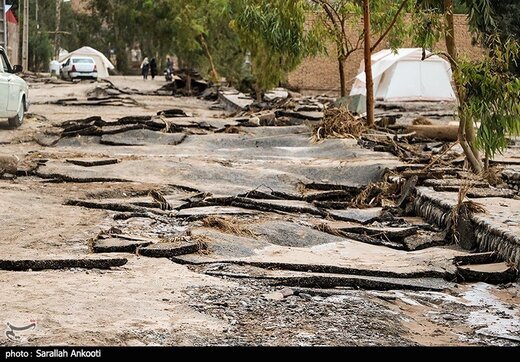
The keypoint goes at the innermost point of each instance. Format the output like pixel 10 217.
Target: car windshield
pixel 82 61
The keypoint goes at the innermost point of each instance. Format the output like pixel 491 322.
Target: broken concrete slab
pixel 476 258
pixel 46 139
pixel 452 182
pixel 118 245
pixel 423 240
pixel 143 137
pixel 169 249
pixel 290 234
pixel 57 264
pixel 495 230
pixel 309 116
pixel 389 233
pixel 234 100
pixel 496 273
pixel 201 212
pixel 92 162
pixel 8 164
pixel 171 113
pixel 276 94
pixel 326 281
pixel 356 215
pixel 478 193
pixel 119 207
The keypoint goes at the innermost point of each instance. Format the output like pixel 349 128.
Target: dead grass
pixel 422 121
pixel 493 175
pixel 324 227
pixel 338 123
pixel 376 194
pixel 227 225
pixel 188 237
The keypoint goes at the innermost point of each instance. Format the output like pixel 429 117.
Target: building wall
pixel 13 42
pixel 321 75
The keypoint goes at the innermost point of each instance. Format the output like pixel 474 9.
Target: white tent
pixel 404 76
pixel 102 62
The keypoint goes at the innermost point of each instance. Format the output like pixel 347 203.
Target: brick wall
pixel 321 75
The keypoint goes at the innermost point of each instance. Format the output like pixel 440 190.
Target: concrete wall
pixel 320 74
pixel 13 43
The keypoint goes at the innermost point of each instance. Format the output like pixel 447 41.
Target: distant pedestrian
pixel 145 68
pixel 169 64
pixel 153 68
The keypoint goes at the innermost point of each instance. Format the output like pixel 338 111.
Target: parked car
pixel 79 67
pixel 14 92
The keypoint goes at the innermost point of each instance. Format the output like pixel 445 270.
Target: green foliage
pixel 274 33
pixel 490 95
pixel 429 27
pixel 40 50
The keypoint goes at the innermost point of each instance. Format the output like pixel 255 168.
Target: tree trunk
pixel 450 33
pixel 342 76
pixel 473 159
pixel 467 135
pixel 214 73
pixel 368 65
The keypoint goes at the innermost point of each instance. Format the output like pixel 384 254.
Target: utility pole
pixel 3 25
pixel 57 33
pixel 25 35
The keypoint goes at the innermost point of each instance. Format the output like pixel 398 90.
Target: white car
pixel 79 67
pixel 14 92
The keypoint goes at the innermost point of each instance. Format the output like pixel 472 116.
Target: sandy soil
pixel 158 302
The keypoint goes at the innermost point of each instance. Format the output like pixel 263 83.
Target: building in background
pixel 12 35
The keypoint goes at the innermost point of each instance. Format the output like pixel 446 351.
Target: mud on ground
pixel 265 271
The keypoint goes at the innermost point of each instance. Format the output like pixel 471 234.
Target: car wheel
pixel 17 120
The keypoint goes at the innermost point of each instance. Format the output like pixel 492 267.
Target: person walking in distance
pixel 153 68
pixel 145 68
pixel 169 64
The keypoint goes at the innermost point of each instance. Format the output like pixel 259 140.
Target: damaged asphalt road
pixel 170 223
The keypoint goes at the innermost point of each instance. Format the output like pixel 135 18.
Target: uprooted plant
pixel 227 225
pixel 464 209
pixel 338 123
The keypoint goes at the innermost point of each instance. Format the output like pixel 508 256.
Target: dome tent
pixel 404 76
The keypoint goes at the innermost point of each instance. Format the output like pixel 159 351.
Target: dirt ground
pixel 222 295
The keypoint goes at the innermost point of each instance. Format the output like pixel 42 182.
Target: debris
pixel 227 225
pixel 142 137
pixel 118 245
pixel 448 133
pixel 338 123
pixel 170 249
pixel 476 258
pixel 159 199
pixel 93 163
pixel 56 264
pixel 171 113
pixel 202 212
pixel 113 207
pixel 8 165
pixel 233 100
pixel 276 94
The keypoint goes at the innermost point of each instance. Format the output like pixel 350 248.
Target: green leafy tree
pixel 340 21
pixel 274 33
pixel 487 90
